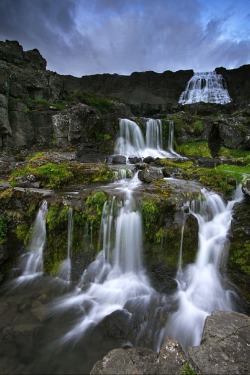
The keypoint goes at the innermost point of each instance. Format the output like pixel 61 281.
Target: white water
pixel 65 268
pixel 116 278
pixel 171 139
pixel 208 87
pixel 132 143
pixel 32 261
pixel 201 288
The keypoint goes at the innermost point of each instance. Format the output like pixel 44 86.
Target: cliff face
pixel 30 97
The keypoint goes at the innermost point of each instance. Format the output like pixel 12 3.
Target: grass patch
pixel 51 174
pixel 95 101
pixel 39 103
pixel 199 149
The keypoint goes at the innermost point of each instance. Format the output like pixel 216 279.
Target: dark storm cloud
pixel 81 37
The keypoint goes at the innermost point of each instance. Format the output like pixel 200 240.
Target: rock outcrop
pixel 225 345
pixel 32 99
pixel 224 349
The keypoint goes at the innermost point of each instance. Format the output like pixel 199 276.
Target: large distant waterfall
pixel 133 143
pixel 208 87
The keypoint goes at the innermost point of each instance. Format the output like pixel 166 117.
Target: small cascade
pixel 65 269
pixel 132 143
pixel 179 267
pixel 208 87
pixel 32 261
pixel 116 280
pixel 154 134
pixel 171 139
pixel 122 174
pixel 201 287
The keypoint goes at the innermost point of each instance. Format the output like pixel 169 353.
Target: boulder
pixel 170 360
pixel 246 187
pixel 225 345
pixel 150 174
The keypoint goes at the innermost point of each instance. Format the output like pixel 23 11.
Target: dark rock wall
pixel 24 81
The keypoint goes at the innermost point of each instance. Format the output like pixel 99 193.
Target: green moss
pixel 56 215
pixel 94 207
pixel 23 232
pixel 98 102
pixel 53 175
pixel 104 175
pixel 3 229
pixel 187 369
pixel 199 149
pixel 39 103
pixel 241 257
pixel 198 127
pixel 150 216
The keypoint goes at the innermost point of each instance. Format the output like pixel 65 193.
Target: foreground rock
pixel 170 360
pixel 225 345
pixel 224 349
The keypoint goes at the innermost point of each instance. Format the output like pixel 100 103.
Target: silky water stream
pixel 53 327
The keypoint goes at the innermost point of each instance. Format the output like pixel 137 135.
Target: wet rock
pixel 134 160
pixel 119 159
pixel 225 345
pixel 150 174
pixel 246 187
pixel 148 160
pixel 170 360
pixel 39 310
pixel 116 324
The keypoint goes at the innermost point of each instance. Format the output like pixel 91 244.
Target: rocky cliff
pixel 34 100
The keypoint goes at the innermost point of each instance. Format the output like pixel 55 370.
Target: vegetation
pixel 199 149
pixel 187 369
pixel 101 103
pixel 3 230
pixel 39 103
pixel 53 175
pixel 58 174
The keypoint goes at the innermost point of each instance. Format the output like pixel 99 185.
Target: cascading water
pixel 201 288
pixel 117 278
pixel 131 141
pixel 208 87
pixel 65 269
pixel 171 139
pixel 32 261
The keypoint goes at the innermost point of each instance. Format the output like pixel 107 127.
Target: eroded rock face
pixel 224 349
pixel 170 360
pixel 225 345
pixel 24 81
pixel 12 52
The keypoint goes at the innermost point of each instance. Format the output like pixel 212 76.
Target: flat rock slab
pixel 225 345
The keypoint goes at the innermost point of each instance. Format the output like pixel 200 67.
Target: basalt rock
pixel 225 345
pixel 32 95
pixel 224 349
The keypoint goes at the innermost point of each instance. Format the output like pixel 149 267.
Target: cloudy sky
pixel 82 37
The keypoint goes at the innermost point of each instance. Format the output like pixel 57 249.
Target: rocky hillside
pixel 40 108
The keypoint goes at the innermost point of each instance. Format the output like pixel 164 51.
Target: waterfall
pixel 201 287
pixel 132 143
pixel 208 87
pixel 65 268
pixel 116 280
pixel 32 261
pixel 171 139
pixel 154 134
